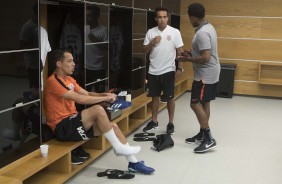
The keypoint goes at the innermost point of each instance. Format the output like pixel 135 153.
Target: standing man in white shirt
pixel 162 42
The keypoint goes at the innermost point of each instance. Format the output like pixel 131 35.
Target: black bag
pixel 163 141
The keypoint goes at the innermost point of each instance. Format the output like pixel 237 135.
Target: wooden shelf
pixel 270 73
pixel 266 81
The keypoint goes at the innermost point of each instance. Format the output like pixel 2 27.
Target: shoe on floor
pixel 197 138
pixel 170 128
pixel 81 153
pixel 205 146
pixel 140 167
pixel 151 126
pixel 76 160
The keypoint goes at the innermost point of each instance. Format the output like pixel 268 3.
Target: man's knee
pixel 97 110
pixel 194 106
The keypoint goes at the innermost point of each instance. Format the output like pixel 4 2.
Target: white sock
pixel 130 158
pixel 120 148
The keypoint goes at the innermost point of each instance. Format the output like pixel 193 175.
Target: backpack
pixel 163 141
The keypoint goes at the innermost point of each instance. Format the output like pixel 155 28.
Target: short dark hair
pixel 157 9
pixel 56 55
pixel 196 10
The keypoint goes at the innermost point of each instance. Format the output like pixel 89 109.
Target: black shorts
pixel 162 83
pixel 71 129
pixel 202 92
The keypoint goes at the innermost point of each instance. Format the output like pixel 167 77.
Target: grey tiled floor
pixel 249 134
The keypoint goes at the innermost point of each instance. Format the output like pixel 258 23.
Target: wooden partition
pixel 249 35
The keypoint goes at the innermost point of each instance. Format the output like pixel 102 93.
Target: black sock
pixel 201 132
pixel 207 134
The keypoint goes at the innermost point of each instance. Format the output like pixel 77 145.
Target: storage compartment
pixel 270 73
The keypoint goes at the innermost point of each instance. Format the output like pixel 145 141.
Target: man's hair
pixel 56 55
pixel 196 10
pixel 160 9
pixel 95 10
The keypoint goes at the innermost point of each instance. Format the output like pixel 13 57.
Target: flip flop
pixel 121 175
pixel 141 139
pixel 144 134
pixel 107 172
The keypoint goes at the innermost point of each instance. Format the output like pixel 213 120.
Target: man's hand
pixel 184 56
pixel 111 97
pixel 156 40
pixel 178 73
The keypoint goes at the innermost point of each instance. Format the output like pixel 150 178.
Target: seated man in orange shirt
pixel 60 94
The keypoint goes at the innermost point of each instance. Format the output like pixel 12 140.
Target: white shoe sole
pixel 150 129
pixel 203 151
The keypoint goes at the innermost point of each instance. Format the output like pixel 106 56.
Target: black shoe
pixel 81 153
pixel 197 138
pixel 170 128
pixel 205 146
pixel 151 126
pixel 76 160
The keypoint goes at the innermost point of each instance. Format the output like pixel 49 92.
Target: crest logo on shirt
pixel 71 86
pixel 168 37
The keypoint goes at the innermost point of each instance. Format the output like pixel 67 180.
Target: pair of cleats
pixel 144 137
pixel 120 104
pixel 204 146
pixel 78 156
pixel 152 125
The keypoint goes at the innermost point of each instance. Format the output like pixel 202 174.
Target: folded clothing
pixel 120 104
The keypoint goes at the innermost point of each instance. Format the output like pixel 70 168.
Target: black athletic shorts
pixel 162 84
pixel 71 129
pixel 202 92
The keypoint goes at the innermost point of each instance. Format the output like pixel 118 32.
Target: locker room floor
pixel 248 133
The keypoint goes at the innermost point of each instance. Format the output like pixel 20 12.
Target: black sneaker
pixel 197 138
pixel 205 146
pixel 151 126
pixel 76 160
pixel 170 128
pixel 81 153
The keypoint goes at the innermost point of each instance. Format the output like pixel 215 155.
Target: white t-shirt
pixel 45 48
pixel 96 54
pixel 45 45
pixel 162 56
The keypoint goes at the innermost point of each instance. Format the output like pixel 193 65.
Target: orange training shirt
pixel 56 107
